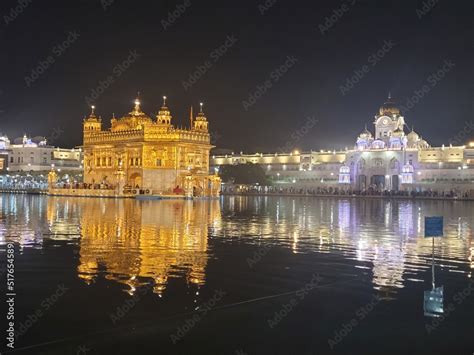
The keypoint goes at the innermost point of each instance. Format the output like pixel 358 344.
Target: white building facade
pixel 29 155
pixel 391 158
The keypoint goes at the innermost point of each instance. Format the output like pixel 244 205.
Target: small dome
pixel 423 144
pixel 413 136
pixel 365 134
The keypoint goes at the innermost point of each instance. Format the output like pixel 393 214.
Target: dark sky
pixel 54 102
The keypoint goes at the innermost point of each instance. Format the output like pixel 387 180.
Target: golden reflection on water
pixel 131 242
pixel 128 240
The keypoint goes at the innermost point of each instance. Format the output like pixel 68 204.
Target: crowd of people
pixel 335 191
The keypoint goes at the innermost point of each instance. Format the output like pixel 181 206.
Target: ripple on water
pixel 129 241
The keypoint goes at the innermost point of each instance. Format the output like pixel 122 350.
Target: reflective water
pixel 138 272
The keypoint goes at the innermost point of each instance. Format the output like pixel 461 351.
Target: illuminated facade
pixel 390 159
pixel 35 154
pixel 138 152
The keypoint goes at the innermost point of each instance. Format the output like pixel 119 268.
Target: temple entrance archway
pixel 378 181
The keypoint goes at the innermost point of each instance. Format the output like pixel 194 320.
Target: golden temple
pixel 142 155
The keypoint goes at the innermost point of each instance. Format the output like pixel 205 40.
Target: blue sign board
pixel 433 227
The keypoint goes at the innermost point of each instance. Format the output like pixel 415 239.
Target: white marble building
pixel 34 154
pixel 391 157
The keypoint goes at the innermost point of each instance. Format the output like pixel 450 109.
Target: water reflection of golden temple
pixel 132 242
pixel 127 240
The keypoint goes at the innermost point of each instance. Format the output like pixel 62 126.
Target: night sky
pixel 256 38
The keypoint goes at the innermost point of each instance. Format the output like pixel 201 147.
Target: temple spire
pixel 92 111
pixel 201 104
pixel 389 95
pixel 191 117
pixel 137 109
pixel 164 114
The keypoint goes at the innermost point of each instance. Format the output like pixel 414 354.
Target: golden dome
pixel 133 121
pixel 389 107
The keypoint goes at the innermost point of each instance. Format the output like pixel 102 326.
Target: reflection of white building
pixel 390 157
pixel 26 154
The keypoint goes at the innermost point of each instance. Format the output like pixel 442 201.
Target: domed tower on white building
pixel 365 139
pixel 388 120
pixel 414 141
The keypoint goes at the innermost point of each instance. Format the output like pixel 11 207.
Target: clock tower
pixel 388 120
